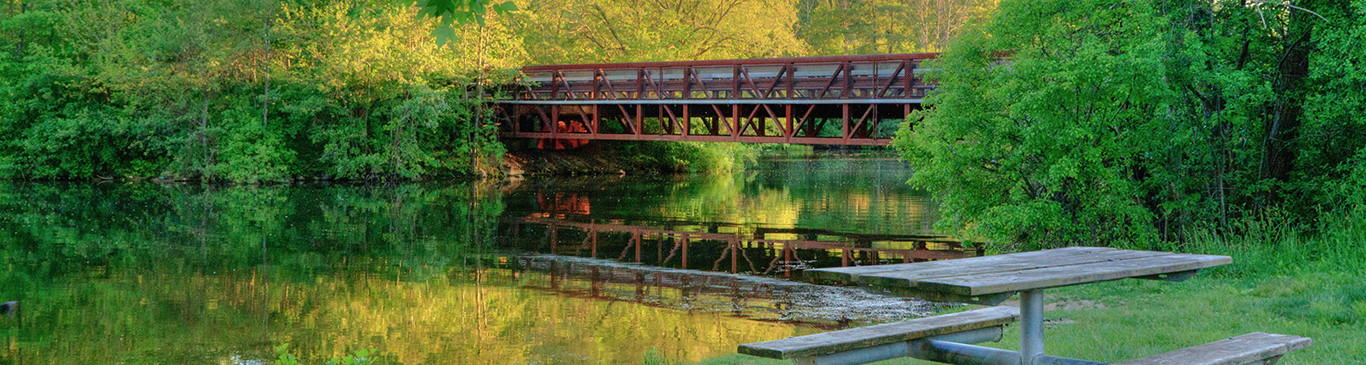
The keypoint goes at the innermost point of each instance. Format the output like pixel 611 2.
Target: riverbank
pixel 1281 281
pixel 586 160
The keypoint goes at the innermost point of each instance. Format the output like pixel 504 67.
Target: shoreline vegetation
pixel 1174 125
pixel 270 91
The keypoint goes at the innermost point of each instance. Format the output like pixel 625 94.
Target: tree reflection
pixel 143 273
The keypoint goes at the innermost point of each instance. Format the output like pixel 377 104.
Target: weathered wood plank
pixel 862 337
pixel 853 273
pixel 908 278
pixel 1246 349
pixel 981 284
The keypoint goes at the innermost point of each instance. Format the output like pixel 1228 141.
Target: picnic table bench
pixel 991 280
pixel 887 340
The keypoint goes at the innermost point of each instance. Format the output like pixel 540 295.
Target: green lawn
pixel 1142 318
pixel 1282 281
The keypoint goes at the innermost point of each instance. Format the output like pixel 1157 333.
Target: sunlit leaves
pixel 1124 122
pixel 563 31
pixel 453 13
pixel 134 88
pixel 885 26
pixel 1042 150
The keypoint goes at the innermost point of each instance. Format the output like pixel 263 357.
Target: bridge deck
pixel 845 100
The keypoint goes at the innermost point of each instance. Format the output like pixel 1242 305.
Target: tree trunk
pixel 204 138
pixel 265 100
pixel 1282 128
pixel 19 47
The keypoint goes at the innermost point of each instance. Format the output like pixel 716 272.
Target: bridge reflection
pixel 724 248
pixel 744 270
pixel 749 297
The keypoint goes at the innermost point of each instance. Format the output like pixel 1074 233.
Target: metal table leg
pixel 954 348
pixel 1031 335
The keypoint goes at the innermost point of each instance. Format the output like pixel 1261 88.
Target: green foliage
pixel 689 156
pixel 283 356
pixel 885 26
pixel 452 13
pixel 654 357
pixel 1332 129
pixel 1121 123
pixel 358 357
pixel 270 90
pixel 561 31
pixel 1045 150
pixel 248 90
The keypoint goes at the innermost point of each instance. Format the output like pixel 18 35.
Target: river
pixel 620 270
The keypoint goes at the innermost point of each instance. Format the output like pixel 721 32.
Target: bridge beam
pixel 798 95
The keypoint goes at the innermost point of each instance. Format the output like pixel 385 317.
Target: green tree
pixel 317 88
pixel 838 27
pixel 1119 123
pixel 561 31
pixel 1046 149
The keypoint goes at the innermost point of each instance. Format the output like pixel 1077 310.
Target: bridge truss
pixel 836 100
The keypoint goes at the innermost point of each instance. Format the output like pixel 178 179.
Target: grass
pixel 1282 281
pixel 1142 318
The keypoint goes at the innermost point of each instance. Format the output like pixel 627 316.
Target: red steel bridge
pixel 835 100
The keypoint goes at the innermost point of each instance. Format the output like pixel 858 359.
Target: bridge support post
pixel 735 121
pixel 787 132
pixel 687 120
pixel 596 121
pixel 555 123
pixel 844 124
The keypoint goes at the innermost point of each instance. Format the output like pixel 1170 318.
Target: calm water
pixel 599 270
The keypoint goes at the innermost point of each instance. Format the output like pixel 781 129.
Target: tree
pixel 836 27
pixel 561 31
pixel 1126 122
pixel 1051 147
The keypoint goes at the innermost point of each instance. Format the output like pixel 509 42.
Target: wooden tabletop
pixel 992 279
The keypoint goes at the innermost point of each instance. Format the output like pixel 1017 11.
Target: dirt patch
pixel 1066 305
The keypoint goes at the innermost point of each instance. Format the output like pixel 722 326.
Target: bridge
pixel 834 100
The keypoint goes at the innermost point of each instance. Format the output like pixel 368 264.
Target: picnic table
pixel 990 280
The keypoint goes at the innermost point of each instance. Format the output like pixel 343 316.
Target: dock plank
pixel 908 278
pixel 1011 281
pixel 854 273
pixel 864 337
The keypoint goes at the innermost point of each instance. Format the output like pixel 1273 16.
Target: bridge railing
pixel 835 100
pixel 866 77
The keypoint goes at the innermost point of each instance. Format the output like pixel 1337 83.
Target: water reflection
pixel 845 195
pixel 724 247
pixel 174 274
pixel 145 273
pixel 749 297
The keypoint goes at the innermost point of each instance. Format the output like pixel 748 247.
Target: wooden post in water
pixel 685 253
